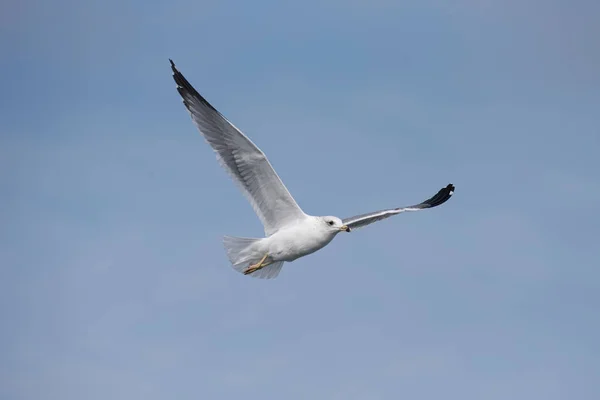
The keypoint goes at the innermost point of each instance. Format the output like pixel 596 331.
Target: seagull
pixel 289 232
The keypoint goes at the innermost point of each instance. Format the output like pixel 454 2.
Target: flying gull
pixel 289 232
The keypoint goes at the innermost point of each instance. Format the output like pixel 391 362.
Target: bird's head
pixel 335 224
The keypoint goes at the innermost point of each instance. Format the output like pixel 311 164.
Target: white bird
pixel 289 232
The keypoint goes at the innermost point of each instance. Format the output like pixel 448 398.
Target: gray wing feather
pixel 359 221
pixel 244 161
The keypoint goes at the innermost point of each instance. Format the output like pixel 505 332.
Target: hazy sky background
pixel 113 280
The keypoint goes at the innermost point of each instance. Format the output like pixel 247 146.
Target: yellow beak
pixel 345 228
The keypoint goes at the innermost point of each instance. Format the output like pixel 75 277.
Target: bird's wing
pixel 359 221
pixel 245 162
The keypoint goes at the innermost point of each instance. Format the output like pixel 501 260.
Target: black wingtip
pixel 440 197
pixel 186 89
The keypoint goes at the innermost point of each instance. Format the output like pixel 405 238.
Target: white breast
pixel 303 238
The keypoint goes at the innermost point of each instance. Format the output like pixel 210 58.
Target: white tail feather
pixel 241 256
pixel 238 249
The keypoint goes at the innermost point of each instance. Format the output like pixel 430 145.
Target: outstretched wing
pixel 365 219
pixel 244 161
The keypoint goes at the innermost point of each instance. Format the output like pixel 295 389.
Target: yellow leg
pixel 257 266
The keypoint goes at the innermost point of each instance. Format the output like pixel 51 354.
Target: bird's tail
pixel 241 257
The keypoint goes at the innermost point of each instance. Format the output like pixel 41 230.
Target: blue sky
pixel 113 280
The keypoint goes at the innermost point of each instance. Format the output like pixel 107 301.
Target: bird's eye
pixel 330 222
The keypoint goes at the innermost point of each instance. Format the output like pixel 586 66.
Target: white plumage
pixel 290 233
